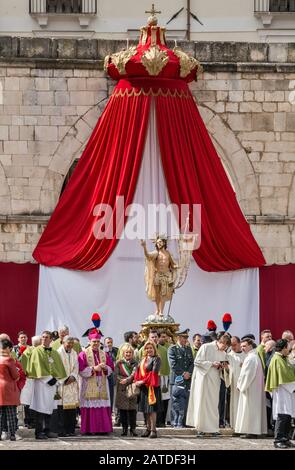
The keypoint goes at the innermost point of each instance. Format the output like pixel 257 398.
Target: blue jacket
pixel 179 397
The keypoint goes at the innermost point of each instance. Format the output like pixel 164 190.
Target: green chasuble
pixel 280 372
pixel 43 363
pixel 13 355
pixel 57 344
pixel 25 357
pixel 261 354
pixel 162 351
pixel 194 350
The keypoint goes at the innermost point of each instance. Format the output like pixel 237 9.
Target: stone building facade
pixel 52 92
pixel 210 20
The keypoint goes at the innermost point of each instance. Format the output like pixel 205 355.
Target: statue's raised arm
pixel 146 253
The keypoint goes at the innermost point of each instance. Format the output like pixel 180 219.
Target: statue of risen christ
pixel 160 274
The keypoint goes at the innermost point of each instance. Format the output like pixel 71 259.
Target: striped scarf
pixel 125 369
pixel 151 392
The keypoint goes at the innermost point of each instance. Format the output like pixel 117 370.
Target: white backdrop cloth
pixel 117 290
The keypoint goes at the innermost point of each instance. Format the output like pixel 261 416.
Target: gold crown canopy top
pixel 153 20
pixel 152 57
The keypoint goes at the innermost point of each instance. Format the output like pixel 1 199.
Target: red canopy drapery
pixel 195 175
pixel 107 169
pixel 109 166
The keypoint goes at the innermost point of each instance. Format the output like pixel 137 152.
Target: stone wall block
pixel 109 47
pixel 48 200
pixel 263 122
pixel 278 180
pixel 278 52
pixel 233 51
pixel 203 96
pixel 35 47
pixel 291 204
pixel 66 48
pixel 92 116
pixel 61 98
pixel 240 122
pixel 46 133
pixel 258 52
pixel 5 46
pixel 291 52
pixel 83 131
pixel 53 181
pixel 203 51
pixel 250 107
pixel 87 49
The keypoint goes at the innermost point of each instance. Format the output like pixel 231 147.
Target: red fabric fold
pixel 195 175
pixel 150 378
pixel 108 168
pixel 277 298
pixel 19 297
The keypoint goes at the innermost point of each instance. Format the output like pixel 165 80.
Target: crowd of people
pixel 215 381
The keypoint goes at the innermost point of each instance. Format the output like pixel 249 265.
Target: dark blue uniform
pixel 180 360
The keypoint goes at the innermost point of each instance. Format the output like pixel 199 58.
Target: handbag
pixel 132 390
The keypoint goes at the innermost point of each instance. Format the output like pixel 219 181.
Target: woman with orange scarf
pixel 147 378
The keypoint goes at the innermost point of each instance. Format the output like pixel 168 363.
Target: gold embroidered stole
pixel 69 393
pixel 96 389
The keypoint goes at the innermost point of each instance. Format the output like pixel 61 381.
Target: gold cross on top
pixel 153 11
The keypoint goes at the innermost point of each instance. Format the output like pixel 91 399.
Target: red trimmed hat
pixel 96 320
pixel 227 318
pixel 226 321
pixel 211 325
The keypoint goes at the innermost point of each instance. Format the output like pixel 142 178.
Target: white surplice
pixel 236 361
pixel 43 396
pixel 202 410
pixel 283 400
pixel 251 414
pixel 27 392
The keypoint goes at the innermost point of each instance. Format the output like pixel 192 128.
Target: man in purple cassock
pixel 94 367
